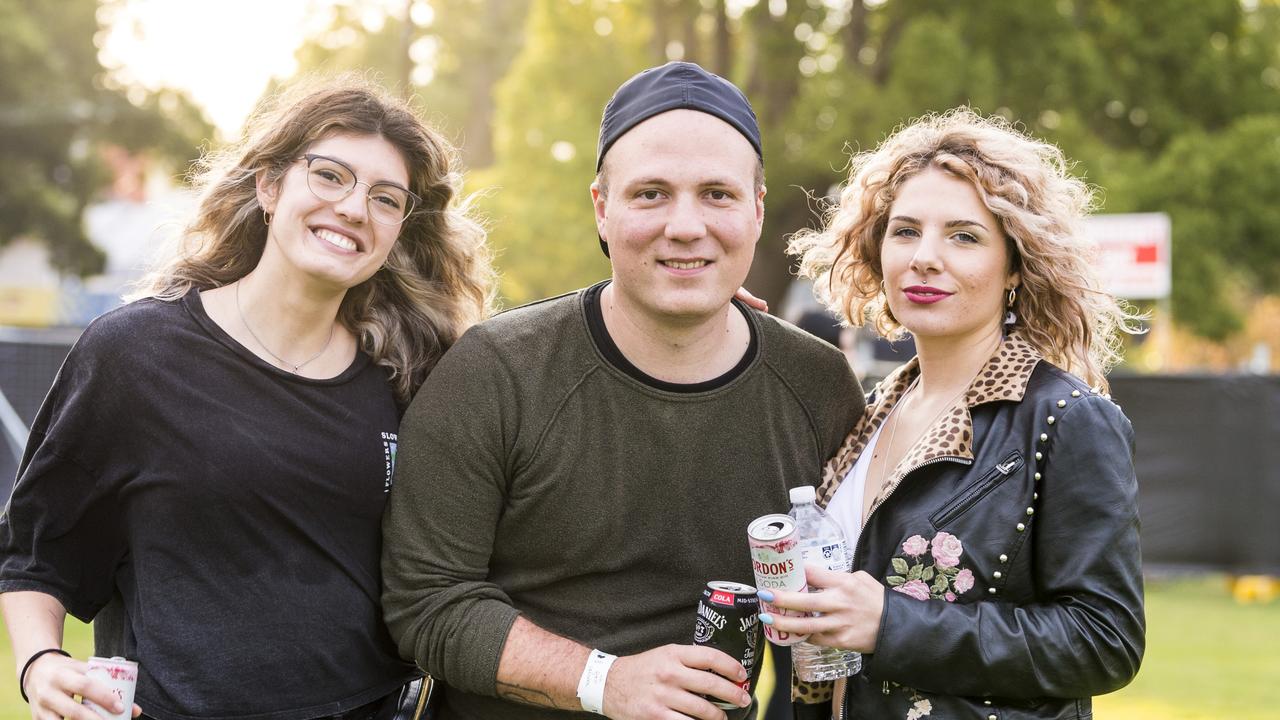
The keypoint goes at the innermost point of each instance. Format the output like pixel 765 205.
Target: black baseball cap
pixel 674 86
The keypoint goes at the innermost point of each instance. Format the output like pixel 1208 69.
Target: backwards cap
pixel 674 86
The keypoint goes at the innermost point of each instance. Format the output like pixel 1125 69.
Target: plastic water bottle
pixel 822 543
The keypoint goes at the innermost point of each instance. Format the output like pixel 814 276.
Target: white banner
pixel 1133 254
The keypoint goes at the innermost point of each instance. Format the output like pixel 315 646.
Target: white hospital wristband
pixel 591 684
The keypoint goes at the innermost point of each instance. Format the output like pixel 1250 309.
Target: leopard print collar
pixel 1004 377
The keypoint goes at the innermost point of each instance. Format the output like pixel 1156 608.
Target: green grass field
pixel 78 641
pixel 1208 657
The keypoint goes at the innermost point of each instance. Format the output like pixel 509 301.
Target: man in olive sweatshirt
pixel 573 472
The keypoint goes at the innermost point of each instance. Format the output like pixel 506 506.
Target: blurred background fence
pixel 1208 462
pixel 1208 456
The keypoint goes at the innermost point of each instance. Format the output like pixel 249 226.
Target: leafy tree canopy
pixel 55 109
pixel 1168 106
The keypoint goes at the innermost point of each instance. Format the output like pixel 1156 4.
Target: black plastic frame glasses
pixel 394 203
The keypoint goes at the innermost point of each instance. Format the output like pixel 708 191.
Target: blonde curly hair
pixel 438 279
pixel 1061 306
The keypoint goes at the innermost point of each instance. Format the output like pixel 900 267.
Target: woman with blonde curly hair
pixel 988 492
pixel 208 473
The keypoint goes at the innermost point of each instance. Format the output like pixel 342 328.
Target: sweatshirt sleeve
pixel 446 499
pixel 823 382
pixel 61 532
pixel 842 407
pixel 1084 634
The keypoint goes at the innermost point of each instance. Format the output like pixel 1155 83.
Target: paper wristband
pixel 591 684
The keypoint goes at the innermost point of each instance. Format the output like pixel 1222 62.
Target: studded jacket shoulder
pixel 1007 539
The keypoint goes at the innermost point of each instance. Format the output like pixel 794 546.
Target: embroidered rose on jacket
pixel 915 546
pixel 920 705
pixel 947 549
pixel 914 588
pixel 920 709
pixel 943 579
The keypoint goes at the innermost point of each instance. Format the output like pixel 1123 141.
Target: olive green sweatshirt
pixel 536 477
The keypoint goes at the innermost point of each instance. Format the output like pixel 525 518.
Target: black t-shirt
pixel 231 508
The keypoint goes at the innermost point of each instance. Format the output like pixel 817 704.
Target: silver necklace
pixel 893 433
pixel 244 321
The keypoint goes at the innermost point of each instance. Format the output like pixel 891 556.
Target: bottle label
pixel 829 556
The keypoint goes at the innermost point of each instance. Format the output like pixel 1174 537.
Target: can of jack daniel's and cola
pixel 778 565
pixel 729 621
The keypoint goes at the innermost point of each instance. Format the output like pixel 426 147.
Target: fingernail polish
pixel 766 595
pixel 766 618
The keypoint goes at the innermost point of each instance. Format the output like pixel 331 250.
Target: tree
pixel 1220 190
pixel 1120 85
pixel 447 55
pixel 56 110
pixel 1149 100
pixel 549 107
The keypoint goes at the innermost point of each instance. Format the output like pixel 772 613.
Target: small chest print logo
pixel 389 441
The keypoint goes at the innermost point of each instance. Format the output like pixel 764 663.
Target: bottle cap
pixel 804 494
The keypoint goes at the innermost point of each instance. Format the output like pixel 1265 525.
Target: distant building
pixel 140 213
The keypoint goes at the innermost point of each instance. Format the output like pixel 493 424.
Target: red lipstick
pixel 925 294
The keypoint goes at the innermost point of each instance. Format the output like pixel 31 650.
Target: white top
pixel 846 505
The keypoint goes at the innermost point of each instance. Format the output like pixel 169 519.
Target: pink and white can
pixel 778 565
pixel 121 676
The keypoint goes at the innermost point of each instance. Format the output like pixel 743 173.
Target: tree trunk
pixel 407 31
pixel 688 19
pixel 772 84
pixel 484 61
pixel 773 80
pixel 661 30
pixel 898 17
pixel 856 33
pixel 722 62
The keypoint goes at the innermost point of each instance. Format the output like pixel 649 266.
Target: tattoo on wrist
pixel 528 696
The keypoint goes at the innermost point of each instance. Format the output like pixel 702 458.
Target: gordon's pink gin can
pixel 778 565
pixel 121 676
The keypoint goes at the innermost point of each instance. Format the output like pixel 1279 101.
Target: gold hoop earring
pixel 266 217
pixel 1009 317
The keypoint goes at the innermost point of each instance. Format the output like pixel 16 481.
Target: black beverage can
pixel 729 621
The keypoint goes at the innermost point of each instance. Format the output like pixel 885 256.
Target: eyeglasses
pixel 332 180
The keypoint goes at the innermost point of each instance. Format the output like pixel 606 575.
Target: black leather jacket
pixel 1008 541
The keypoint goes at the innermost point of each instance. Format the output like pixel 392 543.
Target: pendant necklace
pixel 244 321
pixel 893 433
